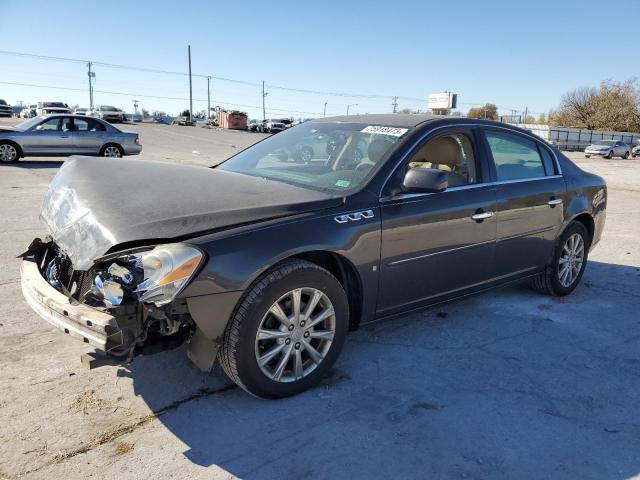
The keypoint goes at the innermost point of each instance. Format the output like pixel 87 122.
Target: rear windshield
pixel 321 156
pixel 2 102
pixel 54 104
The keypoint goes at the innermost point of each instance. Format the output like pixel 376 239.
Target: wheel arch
pixel 346 273
pixel 16 145
pixel 587 220
pixel 111 144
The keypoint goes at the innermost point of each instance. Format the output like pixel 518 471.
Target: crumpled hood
pixel 93 203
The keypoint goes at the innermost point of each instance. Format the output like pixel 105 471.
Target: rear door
pixel 438 244
pixel 531 195
pixel 88 135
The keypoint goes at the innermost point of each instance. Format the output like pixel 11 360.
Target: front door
pixel 531 196
pixel 51 137
pixel 438 244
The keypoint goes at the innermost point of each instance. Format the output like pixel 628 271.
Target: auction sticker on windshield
pixel 392 131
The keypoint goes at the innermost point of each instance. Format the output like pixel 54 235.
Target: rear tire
pixel 552 281
pixel 587 156
pixel 609 155
pixel 626 155
pixel 112 150
pixel 243 352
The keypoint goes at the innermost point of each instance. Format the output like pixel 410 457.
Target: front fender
pixel 237 259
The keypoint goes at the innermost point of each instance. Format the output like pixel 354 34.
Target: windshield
pixel 107 108
pixel 27 124
pixel 326 156
pixel 54 104
pixel 608 143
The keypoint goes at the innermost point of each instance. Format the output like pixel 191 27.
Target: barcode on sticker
pixel 392 131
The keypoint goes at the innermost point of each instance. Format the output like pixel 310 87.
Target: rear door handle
pixel 480 216
pixel 554 201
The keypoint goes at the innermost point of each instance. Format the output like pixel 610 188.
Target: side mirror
pixel 425 180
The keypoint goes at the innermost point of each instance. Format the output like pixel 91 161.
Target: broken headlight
pixel 153 276
pixel 166 270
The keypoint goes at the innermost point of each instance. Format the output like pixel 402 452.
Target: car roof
pixel 390 119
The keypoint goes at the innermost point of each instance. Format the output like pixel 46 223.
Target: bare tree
pixel 613 106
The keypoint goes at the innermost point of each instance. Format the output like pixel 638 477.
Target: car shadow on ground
pixel 509 384
pixel 34 164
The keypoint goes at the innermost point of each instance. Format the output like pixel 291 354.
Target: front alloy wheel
pixel 287 330
pixel 8 153
pixel 295 335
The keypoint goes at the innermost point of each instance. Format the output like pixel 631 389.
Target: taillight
pixel 137 140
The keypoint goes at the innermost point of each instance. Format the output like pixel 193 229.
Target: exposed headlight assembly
pixel 166 270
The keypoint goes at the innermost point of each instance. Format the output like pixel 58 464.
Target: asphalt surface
pixel 508 384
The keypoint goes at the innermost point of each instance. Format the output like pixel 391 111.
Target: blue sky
pixel 515 54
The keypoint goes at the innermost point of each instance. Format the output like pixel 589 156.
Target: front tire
pixel 609 155
pixel 287 330
pixel 9 153
pixel 587 156
pixel 563 274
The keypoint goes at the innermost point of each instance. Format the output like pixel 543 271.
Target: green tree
pixel 489 111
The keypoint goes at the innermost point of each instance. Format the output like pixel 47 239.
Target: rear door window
pixel 87 125
pixel 515 157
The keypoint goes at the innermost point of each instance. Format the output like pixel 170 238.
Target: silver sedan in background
pixel 608 149
pixel 63 135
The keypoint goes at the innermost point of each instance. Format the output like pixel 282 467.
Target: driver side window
pixel 451 153
pixel 52 124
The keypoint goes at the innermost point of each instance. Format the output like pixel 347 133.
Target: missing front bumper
pixel 95 327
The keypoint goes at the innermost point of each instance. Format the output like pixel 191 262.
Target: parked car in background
pixel 265 264
pixel 5 109
pixel 44 108
pixel 108 113
pixel 273 126
pixel 635 152
pixel 63 135
pixel 29 111
pixel 81 111
pixel 608 149
pixel 254 125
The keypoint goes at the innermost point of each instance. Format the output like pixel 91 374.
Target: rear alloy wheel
pixel 287 330
pixel 567 266
pixel 112 151
pixel 8 153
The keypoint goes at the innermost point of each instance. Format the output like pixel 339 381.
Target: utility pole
pixel 135 106
pixel 324 114
pixel 394 102
pixel 91 75
pixel 264 94
pixel 351 105
pixel 190 86
pixel 526 111
pixel 208 98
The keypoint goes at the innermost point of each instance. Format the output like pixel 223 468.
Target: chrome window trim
pixel 403 196
pixel 531 136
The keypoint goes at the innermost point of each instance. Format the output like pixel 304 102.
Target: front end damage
pixel 103 305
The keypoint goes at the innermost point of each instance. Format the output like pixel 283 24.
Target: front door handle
pixel 479 216
pixel 554 201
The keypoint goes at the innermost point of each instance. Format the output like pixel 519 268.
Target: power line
pixel 159 97
pixel 222 79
